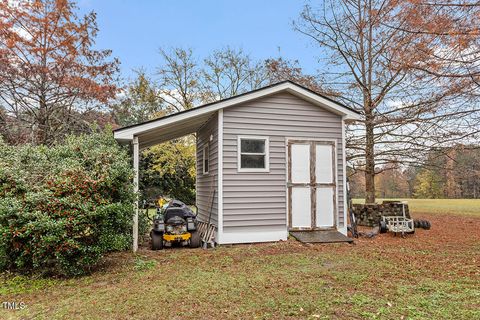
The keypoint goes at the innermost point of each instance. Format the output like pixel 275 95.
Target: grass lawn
pixel 432 274
pixel 442 206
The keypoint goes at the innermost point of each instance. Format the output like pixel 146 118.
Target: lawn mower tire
pixel 157 241
pixel 383 227
pixel 195 240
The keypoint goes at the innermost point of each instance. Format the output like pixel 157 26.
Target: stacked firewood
pixel 370 214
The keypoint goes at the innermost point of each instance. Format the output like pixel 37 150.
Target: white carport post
pixel 135 184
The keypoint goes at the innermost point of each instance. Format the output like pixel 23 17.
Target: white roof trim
pixel 129 132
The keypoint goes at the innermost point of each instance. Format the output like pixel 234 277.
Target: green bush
pixel 62 208
pixel 144 225
pixel 168 169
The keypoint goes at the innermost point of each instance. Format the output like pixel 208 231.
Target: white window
pixel 253 154
pixel 206 159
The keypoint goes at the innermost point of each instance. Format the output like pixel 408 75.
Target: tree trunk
pixel 369 161
pixel 42 122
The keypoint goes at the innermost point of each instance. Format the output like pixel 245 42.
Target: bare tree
pixel 454 29
pixel 377 66
pixel 230 72
pixel 185 82
pixel 178 79
pixel 280 69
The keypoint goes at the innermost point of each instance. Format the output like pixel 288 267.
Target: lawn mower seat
pixel 178 209
pixel 177 204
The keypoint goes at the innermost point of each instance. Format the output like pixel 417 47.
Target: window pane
pixel 253 146
pixel 205 163
pixel 252 161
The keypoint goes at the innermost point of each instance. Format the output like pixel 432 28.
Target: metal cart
pixel 397 224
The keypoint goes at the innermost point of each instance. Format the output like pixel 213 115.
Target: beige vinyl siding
pixel 258 201
pixel 206 183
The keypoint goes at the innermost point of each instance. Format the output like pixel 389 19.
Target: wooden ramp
pixel 320 236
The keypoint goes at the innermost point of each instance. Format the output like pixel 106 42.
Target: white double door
pixel 311 184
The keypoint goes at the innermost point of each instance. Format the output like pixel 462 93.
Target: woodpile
pixel 370 214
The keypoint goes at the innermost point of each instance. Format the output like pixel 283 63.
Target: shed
pixel 275 157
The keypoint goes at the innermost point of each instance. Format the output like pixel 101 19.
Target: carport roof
pixel 189 121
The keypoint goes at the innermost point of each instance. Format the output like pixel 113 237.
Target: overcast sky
pixel 135 29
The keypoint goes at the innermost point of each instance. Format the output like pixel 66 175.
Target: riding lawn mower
pixel 174 223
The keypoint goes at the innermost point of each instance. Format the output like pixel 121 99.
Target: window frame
pixel 206 146
pixel 266 154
